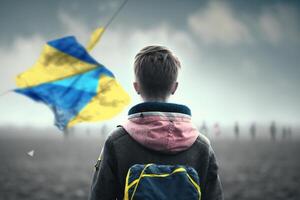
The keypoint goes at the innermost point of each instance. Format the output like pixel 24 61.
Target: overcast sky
pixel 240 59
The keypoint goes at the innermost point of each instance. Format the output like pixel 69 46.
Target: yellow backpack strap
pixel 126 195
pixel 195 185
pixel 128 186
pixel 141 175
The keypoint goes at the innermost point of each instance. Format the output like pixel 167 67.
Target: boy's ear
pixel 136 87
pixel 174 88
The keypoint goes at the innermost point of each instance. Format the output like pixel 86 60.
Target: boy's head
pixel 156 71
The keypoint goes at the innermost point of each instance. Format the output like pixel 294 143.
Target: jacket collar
pixel 164 127
pixel 159 107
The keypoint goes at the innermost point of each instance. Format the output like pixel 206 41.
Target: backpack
pixel 163 182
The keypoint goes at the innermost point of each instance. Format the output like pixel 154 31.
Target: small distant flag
pixel 30 153
pixel 72 83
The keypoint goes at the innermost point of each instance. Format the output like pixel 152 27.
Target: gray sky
pixel 240 59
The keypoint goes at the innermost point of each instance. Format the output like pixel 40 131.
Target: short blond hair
pixel 156 70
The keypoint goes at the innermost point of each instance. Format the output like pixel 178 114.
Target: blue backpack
pixel 163 182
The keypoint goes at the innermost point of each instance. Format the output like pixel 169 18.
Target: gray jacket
pixel 159 133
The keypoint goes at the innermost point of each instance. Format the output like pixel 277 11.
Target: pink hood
pixel 162 131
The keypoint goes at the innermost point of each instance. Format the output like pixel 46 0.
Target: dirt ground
pixel 63 168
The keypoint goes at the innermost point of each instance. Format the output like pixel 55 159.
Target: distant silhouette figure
pixel 88 132
pixel 284 133
pixel 203 129
pixel 103 131
pixel 68 132
pixel 236 130
pixel 273 131
pixel 289 132
pixel 253 131
pixel 217 129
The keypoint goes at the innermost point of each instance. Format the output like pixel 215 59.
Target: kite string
pixel 96 35
pixel 115 14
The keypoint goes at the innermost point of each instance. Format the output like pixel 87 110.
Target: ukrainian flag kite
pixel 73 84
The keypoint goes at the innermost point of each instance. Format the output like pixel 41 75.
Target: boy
pixel 155 132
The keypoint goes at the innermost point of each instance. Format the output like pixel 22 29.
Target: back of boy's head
pixel 156 71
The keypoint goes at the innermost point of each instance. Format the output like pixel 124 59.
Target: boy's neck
pixel 163 100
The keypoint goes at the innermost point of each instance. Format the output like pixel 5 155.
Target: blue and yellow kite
pixel 74 85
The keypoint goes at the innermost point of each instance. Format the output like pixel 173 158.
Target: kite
pixel 75 86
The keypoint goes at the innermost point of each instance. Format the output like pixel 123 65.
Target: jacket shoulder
pixel 116 134
pixel 203 140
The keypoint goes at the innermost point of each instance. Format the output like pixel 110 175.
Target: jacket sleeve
pixel 213 188
pixel 104 180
